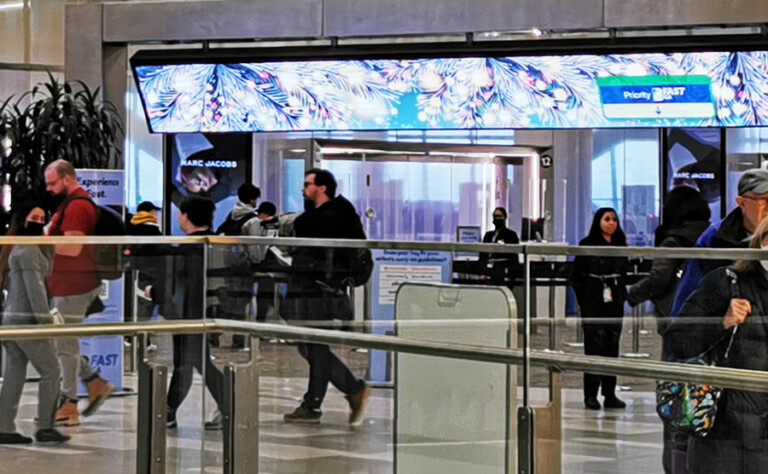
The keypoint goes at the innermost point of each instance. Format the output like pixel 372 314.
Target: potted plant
pixel 55 120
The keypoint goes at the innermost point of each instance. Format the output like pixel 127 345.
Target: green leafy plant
pixel 55 120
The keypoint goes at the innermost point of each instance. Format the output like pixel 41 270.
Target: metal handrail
pixel 529 248
pixel 732 378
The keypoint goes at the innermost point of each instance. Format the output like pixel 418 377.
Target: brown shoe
pixel 303 415
pixel 357 404
pixel 67 414
pixel 98 391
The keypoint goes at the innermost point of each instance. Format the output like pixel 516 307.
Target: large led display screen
pixel 706 89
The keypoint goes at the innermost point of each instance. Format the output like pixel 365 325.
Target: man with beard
pixel 312 297
pixel 73 286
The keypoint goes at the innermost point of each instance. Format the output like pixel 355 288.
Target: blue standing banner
pixel 391 269
pixel 105 353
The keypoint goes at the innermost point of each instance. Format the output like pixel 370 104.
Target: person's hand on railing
pixel 737 313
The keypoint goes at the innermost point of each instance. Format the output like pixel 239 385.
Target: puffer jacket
pixel 710 301
pixel 738 441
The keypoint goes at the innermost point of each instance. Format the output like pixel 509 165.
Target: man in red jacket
pixel 73 286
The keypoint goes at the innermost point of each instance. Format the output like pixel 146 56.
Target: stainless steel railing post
pixel 241 415
pixel 151 413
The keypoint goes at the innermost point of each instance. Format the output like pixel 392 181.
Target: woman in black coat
pixel 738 442
pixel 599 285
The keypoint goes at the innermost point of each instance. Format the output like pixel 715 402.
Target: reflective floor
pixel 594 442
pixel 605 441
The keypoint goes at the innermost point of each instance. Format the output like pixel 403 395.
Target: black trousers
pixel 189 353
pixel 265 297
pixel 601 340
pixel 324 367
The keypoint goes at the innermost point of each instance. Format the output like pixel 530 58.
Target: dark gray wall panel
pixel 385 17
pixel 629 13
pixel 82 53
pixel 186 21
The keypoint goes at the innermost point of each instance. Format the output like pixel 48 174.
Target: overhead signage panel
pixel 709 89
pixel 656 97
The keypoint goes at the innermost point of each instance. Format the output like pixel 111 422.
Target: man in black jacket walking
pixel 312 296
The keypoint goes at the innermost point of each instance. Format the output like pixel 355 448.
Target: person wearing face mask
pixel 501 267
pixel 27 270
pixel 738 441
pixel 600 291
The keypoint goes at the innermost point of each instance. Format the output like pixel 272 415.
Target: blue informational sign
pixel 656 97
pixel 391 269
pixel 105 353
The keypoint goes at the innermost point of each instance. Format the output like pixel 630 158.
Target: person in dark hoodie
pixel 311 296
pixel 599 285
pixel 191 351
pixel 732 232
pixel 686 215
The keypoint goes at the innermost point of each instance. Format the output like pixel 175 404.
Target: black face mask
pixel 33 229
pixel 499 223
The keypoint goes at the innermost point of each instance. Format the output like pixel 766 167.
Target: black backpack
pixel 108 259
pixel 233 227
pixel 360 267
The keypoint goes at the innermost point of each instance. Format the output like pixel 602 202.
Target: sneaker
pixel 303 415
pixel 170 419
pixel 67 414
pixel 216 423
pixel 591 403
pixel 614 402
pixel 98 391
pixel 51 435
pixel 357 404
pixel 14 438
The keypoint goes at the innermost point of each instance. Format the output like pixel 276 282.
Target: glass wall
pixel 416 200
pixel 625 176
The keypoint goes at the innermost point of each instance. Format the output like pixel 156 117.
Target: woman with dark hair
pixel 738 441
pixel 599 285
pixel 27 270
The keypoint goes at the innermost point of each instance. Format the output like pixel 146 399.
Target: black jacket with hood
pixel 685 216
pixel 311 294
pixel 334 219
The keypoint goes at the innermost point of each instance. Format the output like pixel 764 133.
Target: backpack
pixel 233 227
pixel 360 268
pixel 108 259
